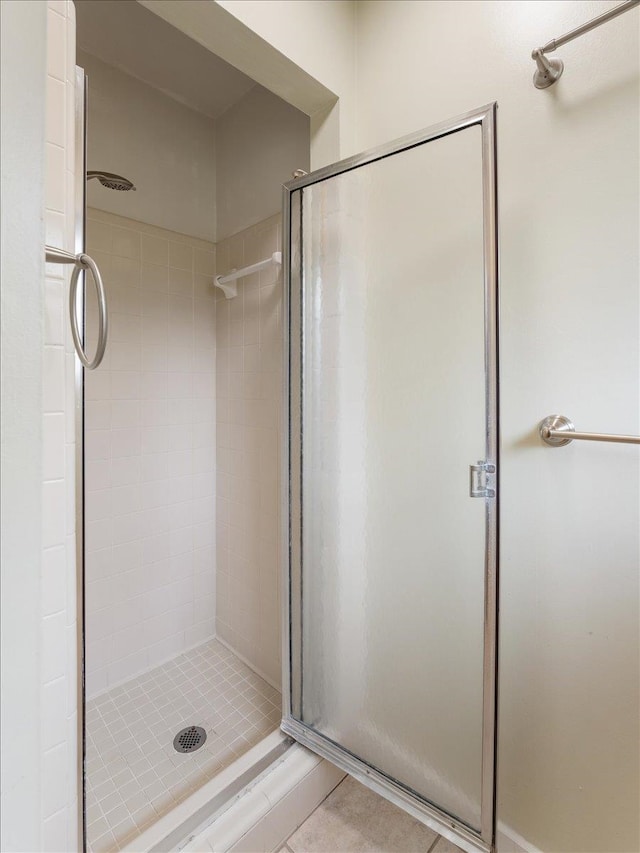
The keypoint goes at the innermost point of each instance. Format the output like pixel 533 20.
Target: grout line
pixel 433 846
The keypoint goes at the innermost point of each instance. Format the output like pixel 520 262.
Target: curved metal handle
pixel 83 262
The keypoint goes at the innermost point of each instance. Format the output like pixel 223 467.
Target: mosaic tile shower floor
pixel 134 775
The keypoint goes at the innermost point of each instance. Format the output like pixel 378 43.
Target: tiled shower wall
pixel 150 435
pixel 59 718
pixel 249 401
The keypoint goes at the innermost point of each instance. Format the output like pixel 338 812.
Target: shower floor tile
pixel 134 775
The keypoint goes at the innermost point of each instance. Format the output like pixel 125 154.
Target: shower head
pixel 111 181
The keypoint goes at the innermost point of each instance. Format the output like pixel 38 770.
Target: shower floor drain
pixel 189 739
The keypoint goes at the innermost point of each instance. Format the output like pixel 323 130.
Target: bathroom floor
pixel 134 774
pixel 355 820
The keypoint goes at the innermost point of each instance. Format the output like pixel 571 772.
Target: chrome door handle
pixel 83 262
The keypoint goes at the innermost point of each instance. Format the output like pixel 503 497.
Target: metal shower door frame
pixel 80 224
pixel 292 510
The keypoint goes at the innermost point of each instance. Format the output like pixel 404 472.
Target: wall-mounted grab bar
pixel 224 282
pixel 550 70
pixel 83 262
pixel 557 430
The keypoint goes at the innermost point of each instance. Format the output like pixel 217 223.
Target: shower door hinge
pixel 482 483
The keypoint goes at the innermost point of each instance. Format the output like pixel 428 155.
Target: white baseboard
pixel 269 811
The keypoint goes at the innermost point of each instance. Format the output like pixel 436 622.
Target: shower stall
pixel 181 420
pixel 266 394
pixel 160 661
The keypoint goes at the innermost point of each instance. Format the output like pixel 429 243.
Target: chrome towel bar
pixel 557 430
pixel 550 70
pixel 83 262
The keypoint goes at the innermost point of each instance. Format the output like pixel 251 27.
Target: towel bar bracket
pixel 557 430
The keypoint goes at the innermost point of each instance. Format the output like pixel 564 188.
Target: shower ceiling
pixel 125 34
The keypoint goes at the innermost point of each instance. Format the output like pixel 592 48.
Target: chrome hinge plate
pixel 482 480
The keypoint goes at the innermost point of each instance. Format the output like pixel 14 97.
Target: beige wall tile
pixel 248 392
pixel 151 518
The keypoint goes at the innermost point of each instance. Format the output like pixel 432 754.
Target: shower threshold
pixel 178 827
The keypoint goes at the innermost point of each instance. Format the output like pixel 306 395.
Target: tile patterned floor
pixel 134 775
pixel 355 820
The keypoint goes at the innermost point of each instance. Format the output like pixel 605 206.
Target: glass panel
pixel 393 414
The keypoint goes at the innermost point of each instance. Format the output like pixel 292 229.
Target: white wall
pixel 149 451
pixel 59 698
pixel 568 173
pixel 23 55
pixel 304 52
pixel 319 36
pixel 39 652
pixel 165 148
pixel 260 141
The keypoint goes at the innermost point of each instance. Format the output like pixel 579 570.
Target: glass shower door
pixel 392 471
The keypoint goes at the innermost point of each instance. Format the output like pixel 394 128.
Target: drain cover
pixel 189 739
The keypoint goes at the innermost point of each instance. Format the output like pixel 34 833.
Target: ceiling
pixel 124 34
